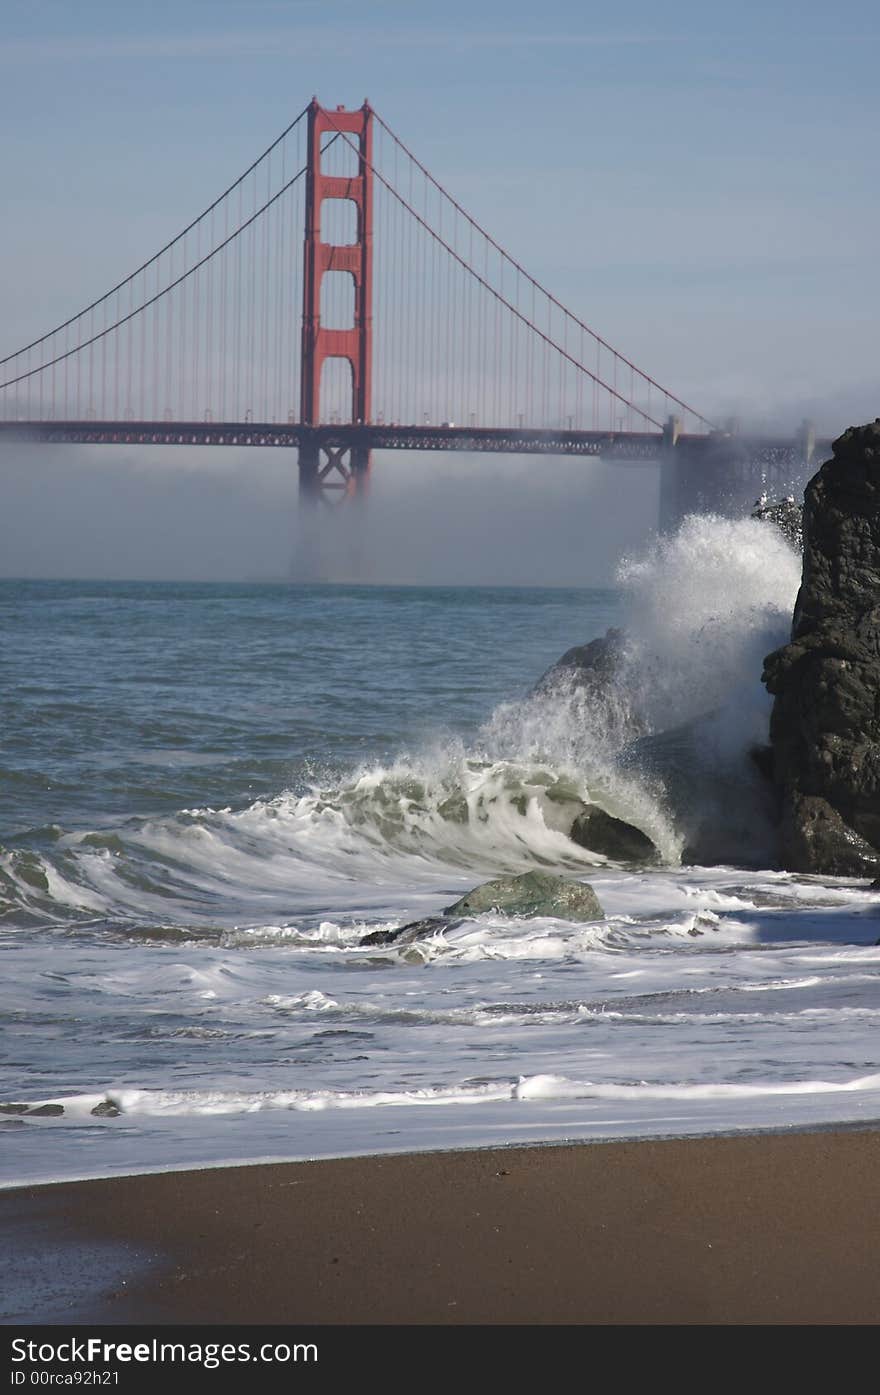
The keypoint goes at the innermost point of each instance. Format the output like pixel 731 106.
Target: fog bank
pixel 200 514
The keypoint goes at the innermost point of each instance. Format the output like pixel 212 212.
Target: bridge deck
pixel 621 445
pixel 633 445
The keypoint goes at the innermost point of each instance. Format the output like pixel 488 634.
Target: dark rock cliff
pixel 825 727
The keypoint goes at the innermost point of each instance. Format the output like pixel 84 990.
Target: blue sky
pixel 698 182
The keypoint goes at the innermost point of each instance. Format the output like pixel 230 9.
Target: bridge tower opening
pixel 329 461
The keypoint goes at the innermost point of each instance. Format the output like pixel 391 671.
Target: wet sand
pixel 781 1228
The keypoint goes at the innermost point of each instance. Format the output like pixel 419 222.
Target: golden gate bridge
pixel 338 300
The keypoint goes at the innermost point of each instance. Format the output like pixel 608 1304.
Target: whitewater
pixel 210 794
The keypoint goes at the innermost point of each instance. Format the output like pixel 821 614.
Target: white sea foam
pixel 133 1102
pixel 558 1087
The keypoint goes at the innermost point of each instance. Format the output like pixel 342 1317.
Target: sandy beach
pixel 779 1228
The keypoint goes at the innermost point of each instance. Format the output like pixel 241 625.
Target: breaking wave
pixel 138 1102
pixel 700 611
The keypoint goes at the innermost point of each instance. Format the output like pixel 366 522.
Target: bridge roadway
pixel 624 447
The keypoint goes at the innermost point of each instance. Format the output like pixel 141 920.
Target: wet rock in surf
pixel 816 839
pixel 107 1109
pixel 531 894
pixel 722 807
pixel 786 514
pixel 593 666
pixel 825 726
pixel 405 934
pixel 614 838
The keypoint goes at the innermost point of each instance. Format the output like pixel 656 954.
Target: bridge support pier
pixel 726 473
pixel 806 439
pixel 332 470
pixel 669 477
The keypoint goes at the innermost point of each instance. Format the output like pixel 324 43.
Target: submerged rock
pixel 531 894
pixel 825 727
pixel 602 833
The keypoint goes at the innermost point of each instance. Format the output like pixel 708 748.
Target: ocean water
pixel 210 793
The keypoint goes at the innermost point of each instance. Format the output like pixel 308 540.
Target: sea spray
pixel 701 609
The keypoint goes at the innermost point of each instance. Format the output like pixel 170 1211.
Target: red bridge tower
pixel 326 463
